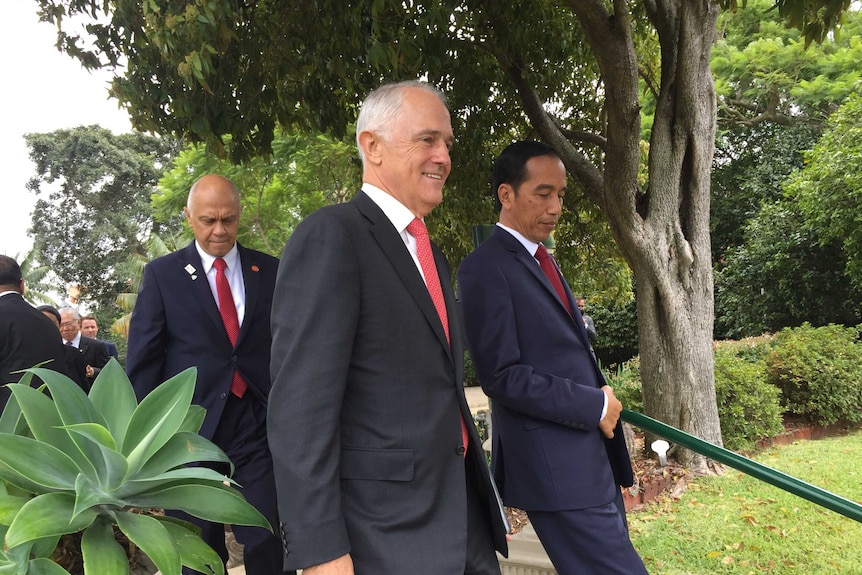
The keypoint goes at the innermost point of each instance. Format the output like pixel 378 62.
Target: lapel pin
pixel 190 269
pixel 255 269
pixel 194 277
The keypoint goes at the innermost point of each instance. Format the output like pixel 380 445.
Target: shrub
pixel 819 372
pixel 748 406
pixel 626 382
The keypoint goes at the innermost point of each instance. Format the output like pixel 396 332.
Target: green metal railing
pixel 757 470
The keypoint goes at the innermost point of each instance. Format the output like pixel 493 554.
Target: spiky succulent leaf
pixel 9 507
pixel 91 496
pixel 27 462
pixel 157 418
pixel 74 406
pixel 181 449
pixel 151 536
pixel 210 501
pixel 114 466
pixel 113 396
pixel 43 566
pixel 101 552
pixel 45 516
pixel 194 552
pixel 132 490
pixel 45 424
pixel 194 419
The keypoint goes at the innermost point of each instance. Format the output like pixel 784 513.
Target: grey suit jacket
pixel 364 411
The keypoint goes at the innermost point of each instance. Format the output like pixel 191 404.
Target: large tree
pixel 570 73
pixel 93 209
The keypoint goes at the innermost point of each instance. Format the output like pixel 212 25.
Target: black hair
pixel 10 272
pixel 52 310
pixel 510 166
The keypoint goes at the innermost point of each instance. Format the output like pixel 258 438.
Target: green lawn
pixel 735 524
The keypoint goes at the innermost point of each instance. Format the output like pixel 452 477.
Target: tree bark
pixel 663 231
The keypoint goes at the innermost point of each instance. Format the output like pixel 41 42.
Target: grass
pixel 736 525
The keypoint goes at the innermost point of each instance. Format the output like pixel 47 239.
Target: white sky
pixel 43 90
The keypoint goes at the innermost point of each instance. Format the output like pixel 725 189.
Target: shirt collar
pixel 530 246
pixel 207 260
pixel 395 211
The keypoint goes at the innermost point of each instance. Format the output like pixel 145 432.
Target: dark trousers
pixel 481 557
pixel 588 541
pixel 241 434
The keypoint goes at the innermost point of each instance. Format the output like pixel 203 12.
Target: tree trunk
pixel 672 263
pixel 663 231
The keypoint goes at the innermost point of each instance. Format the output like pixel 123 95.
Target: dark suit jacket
pixel 176 325
pixel 110 348
pixel 95 354
pixel 27 338
pixel 364 411
pixel 533 360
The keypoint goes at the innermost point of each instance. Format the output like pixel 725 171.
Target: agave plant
pixel 72 463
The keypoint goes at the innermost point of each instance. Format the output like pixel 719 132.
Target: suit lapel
pixel 529 262
pixel 251 279
pixel 393 247
pixel 196 280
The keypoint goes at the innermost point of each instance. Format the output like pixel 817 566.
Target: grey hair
pixel 73 311
pixel 381 108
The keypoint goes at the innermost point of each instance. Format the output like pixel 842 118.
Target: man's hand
pixel 609 423
pixel 341 566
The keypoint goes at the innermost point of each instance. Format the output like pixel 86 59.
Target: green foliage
pixel 783 275
pixel 617 326
pixel 303 173
pixel 93 209
pixel 772 267
pixel 626 383
pixel 751 164
pixel 819 372
pixel 76 463
pixel 35 276
pixel 748 406
pixel 829 188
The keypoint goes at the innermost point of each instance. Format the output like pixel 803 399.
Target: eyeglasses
pixel 69 324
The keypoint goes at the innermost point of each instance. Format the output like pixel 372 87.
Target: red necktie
pixel 549 266
pixel 227 309
pixel 417 229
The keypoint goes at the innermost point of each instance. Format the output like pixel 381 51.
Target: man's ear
pixel 370 144
pixel 506 195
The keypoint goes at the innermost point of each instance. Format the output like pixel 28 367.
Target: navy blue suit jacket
pixel 533 360
pixel 176 325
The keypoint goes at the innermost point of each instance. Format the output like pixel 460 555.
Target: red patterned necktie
pixel 550 269
pixel 227 309
pixel 417 229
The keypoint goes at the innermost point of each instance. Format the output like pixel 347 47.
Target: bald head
pixel 213 210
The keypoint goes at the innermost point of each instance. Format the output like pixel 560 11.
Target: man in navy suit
pixel 558 449
pixel 90 328
pixel 177 323
pixel 27 337
pixel 367 416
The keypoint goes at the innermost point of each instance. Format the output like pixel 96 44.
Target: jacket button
pixel 460 450
pixel 224 395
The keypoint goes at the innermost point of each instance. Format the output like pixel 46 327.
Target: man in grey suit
pixel 367 415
